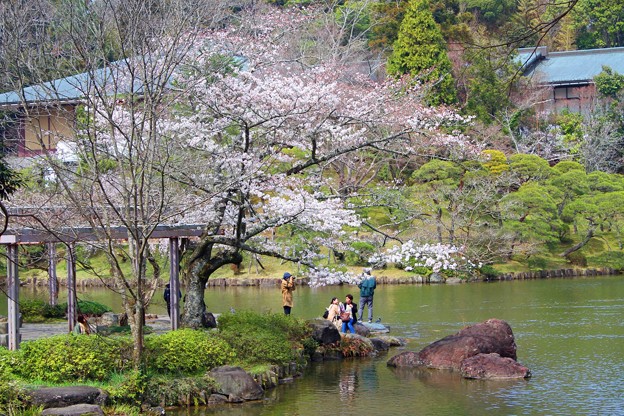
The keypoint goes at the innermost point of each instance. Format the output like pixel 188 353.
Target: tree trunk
pixel 194 305
pixel 581 244
pixel 196 274
pixel 136 319
pixel 439 224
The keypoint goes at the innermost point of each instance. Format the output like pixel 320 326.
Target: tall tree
pixel 600 22
pixel 280 132
pixel 420 51
pixel 123 158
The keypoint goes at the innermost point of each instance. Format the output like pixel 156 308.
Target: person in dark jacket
pixel 167 297
pixel 367 291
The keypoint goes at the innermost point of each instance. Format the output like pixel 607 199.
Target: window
pixel 566 93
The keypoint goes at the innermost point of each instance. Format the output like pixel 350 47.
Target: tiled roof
pixel 570 67
pixel 72 88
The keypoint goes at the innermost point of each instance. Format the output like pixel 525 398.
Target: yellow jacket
pixel 288 286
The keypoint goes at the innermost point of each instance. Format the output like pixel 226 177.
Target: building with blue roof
pixel 37 117
pixel 567 78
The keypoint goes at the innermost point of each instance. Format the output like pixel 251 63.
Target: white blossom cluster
pixel 330 277
pixel 435 257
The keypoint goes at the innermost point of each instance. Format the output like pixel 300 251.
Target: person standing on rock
pixel 288 286
pixel 367 291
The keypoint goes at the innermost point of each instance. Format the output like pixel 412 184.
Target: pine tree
pixel 420 50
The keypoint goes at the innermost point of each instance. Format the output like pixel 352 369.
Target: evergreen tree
pixel 420 50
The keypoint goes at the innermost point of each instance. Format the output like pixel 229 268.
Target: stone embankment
pixel 381 279
pixel 546 274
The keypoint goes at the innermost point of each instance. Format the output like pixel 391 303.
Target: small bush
pixel 247 321
pixel 190 391
pixel 69 357
pixel 87 307
pixel 260 346
pixel 186 351
pixel 613 259
pixel 128 388
pixel 39 310
pixel 577 258
pixel 8 362
pixel 537 263
pixel 489 271
pixel 261 338
pixel 11 395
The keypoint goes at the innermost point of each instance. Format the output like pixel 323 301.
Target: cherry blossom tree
pixel 232 128
pixel 267 133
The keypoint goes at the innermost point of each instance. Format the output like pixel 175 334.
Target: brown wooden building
pixel 36 118
pixel 565 80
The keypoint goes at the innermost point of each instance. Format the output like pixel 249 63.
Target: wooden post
pixel 71 287
pixel 13 297
pixel 52 278
pixel 174 282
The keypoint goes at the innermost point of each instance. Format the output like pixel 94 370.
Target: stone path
pixel 34 331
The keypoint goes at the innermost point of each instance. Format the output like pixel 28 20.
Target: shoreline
pixel 381 279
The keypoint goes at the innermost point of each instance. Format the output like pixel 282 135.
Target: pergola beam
pixel 70 236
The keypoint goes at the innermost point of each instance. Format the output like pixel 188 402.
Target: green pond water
pixel 569 332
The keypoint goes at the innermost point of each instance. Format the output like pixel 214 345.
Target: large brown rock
pixel 323 331
pixel 491 336
pixel 493 366
pixel 236 384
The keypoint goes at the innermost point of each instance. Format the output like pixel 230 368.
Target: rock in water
pixel 492 340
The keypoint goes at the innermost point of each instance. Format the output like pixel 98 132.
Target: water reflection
pixel 569 332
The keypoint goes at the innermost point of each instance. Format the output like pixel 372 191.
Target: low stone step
pixel 75 410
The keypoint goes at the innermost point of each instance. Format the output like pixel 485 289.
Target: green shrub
pixel 88 307
pixel 537 263
pixel 189 391
pixel 8 362
pixel 11 395
pixel 37 310
pixel 128 388
pixel 186 351
pixel 489 271
pixel 73 357
pixel 577 258
pixel 613 259
pixel 261 338
pixel 248 321
pixel 260 347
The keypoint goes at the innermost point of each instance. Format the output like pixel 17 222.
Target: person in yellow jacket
pixel 288 286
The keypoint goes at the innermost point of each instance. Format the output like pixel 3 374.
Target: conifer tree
pixel 420 50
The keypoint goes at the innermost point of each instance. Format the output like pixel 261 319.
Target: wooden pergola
pixel 69 237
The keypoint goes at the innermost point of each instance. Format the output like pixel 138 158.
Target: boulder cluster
pixel 486 350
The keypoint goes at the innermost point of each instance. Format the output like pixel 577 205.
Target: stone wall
pixel 403 280
pixel 545 274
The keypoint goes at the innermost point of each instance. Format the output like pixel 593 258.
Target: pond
pixel 569 332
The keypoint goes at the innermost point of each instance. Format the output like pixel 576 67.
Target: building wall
pixel 575 98
pixel 45 127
